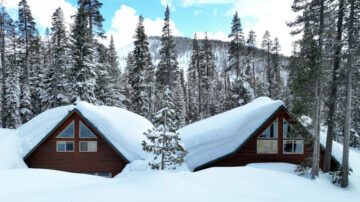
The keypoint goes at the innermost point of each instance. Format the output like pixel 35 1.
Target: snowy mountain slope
pixel 183 52
pixel 270 182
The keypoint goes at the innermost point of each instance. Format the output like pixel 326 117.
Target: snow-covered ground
pixel 255 182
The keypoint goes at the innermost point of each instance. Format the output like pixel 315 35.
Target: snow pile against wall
pixel 222 134
pixel 10 157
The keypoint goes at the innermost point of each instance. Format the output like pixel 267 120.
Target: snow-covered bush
pixel 304 168
pixel 336 176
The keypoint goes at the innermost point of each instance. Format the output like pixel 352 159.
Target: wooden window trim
pixel 73 150
pixel 293 140
pixel 88 146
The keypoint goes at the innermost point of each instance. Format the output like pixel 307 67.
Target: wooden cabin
pixel 276 137
pixel 97 147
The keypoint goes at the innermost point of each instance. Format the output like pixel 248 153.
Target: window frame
pixel 292 146
pixel 74 131
pixel 80 122
pixel 276 132
pixel 65 141
pixel 88 145
pixel 268 140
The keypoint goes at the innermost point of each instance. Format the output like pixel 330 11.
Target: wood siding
pixel 105 160
pixel 248 152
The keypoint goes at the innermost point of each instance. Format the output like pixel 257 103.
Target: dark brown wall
pixel 106 159
pixel 247 153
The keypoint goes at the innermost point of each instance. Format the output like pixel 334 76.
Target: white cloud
pixel 219 35
pixel 43 10
pixel 124 23
pixel 215 12
pixel 269 15
pixel 187 3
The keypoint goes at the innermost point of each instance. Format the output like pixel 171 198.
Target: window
pixel 88 146
pixel 68 132
pixel 64 146
pixel 267 146
pixel 85 132
pixel 293 146
pixel 271 131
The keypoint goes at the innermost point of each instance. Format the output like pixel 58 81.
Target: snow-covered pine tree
pixel 168 66
pixel 6 27
pixel 92 12
pixel 116 97
pixel 27 33
pixel 267 45
pixel 83 75
pixel 240 91
pixel 236 46
pixel 102 87
pixel 12 77
pixel 126 88
pixel 56 81
pixel 193 82
pixel 142 74
pixel 164 141
pixel 251 45
pixel 208 78
pixel 278 86
pixel 179 99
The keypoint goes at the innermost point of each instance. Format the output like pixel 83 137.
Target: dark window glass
pixel 68 132
pixel 69 146
pixel 61 146
pixel 83 146
pixel 85 132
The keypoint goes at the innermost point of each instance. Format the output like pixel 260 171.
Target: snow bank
pixel 271 182
pixel 10 156
pixel 222 134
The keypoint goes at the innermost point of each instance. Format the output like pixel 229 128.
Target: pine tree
pixel 92 12
pixel 163 140
pixel 194 99
pixel 236 46
pixel 117 98
pixel 141 75
pixel 102 87
pixel 12 77
pixel 83 75
pixel 56 81
pixel 168 66
pixel 266 45
pixel 277 83
pixel 27 33
pixel 251 45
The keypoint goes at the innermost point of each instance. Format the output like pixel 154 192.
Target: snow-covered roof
pixel 220 135
pixel 121 128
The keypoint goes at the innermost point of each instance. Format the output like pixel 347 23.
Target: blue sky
pixel 188 17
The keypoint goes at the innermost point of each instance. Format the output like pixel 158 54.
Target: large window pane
pixel 60 146
pixel 68 132
pixel 288 146
pixel 69 146
pixel 267 146
pixel 299 146
pixel 83 146
pixel 271 131
pixel 88 146
pixel 85 132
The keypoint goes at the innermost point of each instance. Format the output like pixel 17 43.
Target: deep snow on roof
pixel 219 135
pixel 122 128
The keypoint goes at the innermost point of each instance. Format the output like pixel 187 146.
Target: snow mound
pixel 9 146
pixel 219 135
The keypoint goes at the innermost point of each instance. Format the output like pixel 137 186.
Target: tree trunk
pixel 333 92
pixel 347 124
